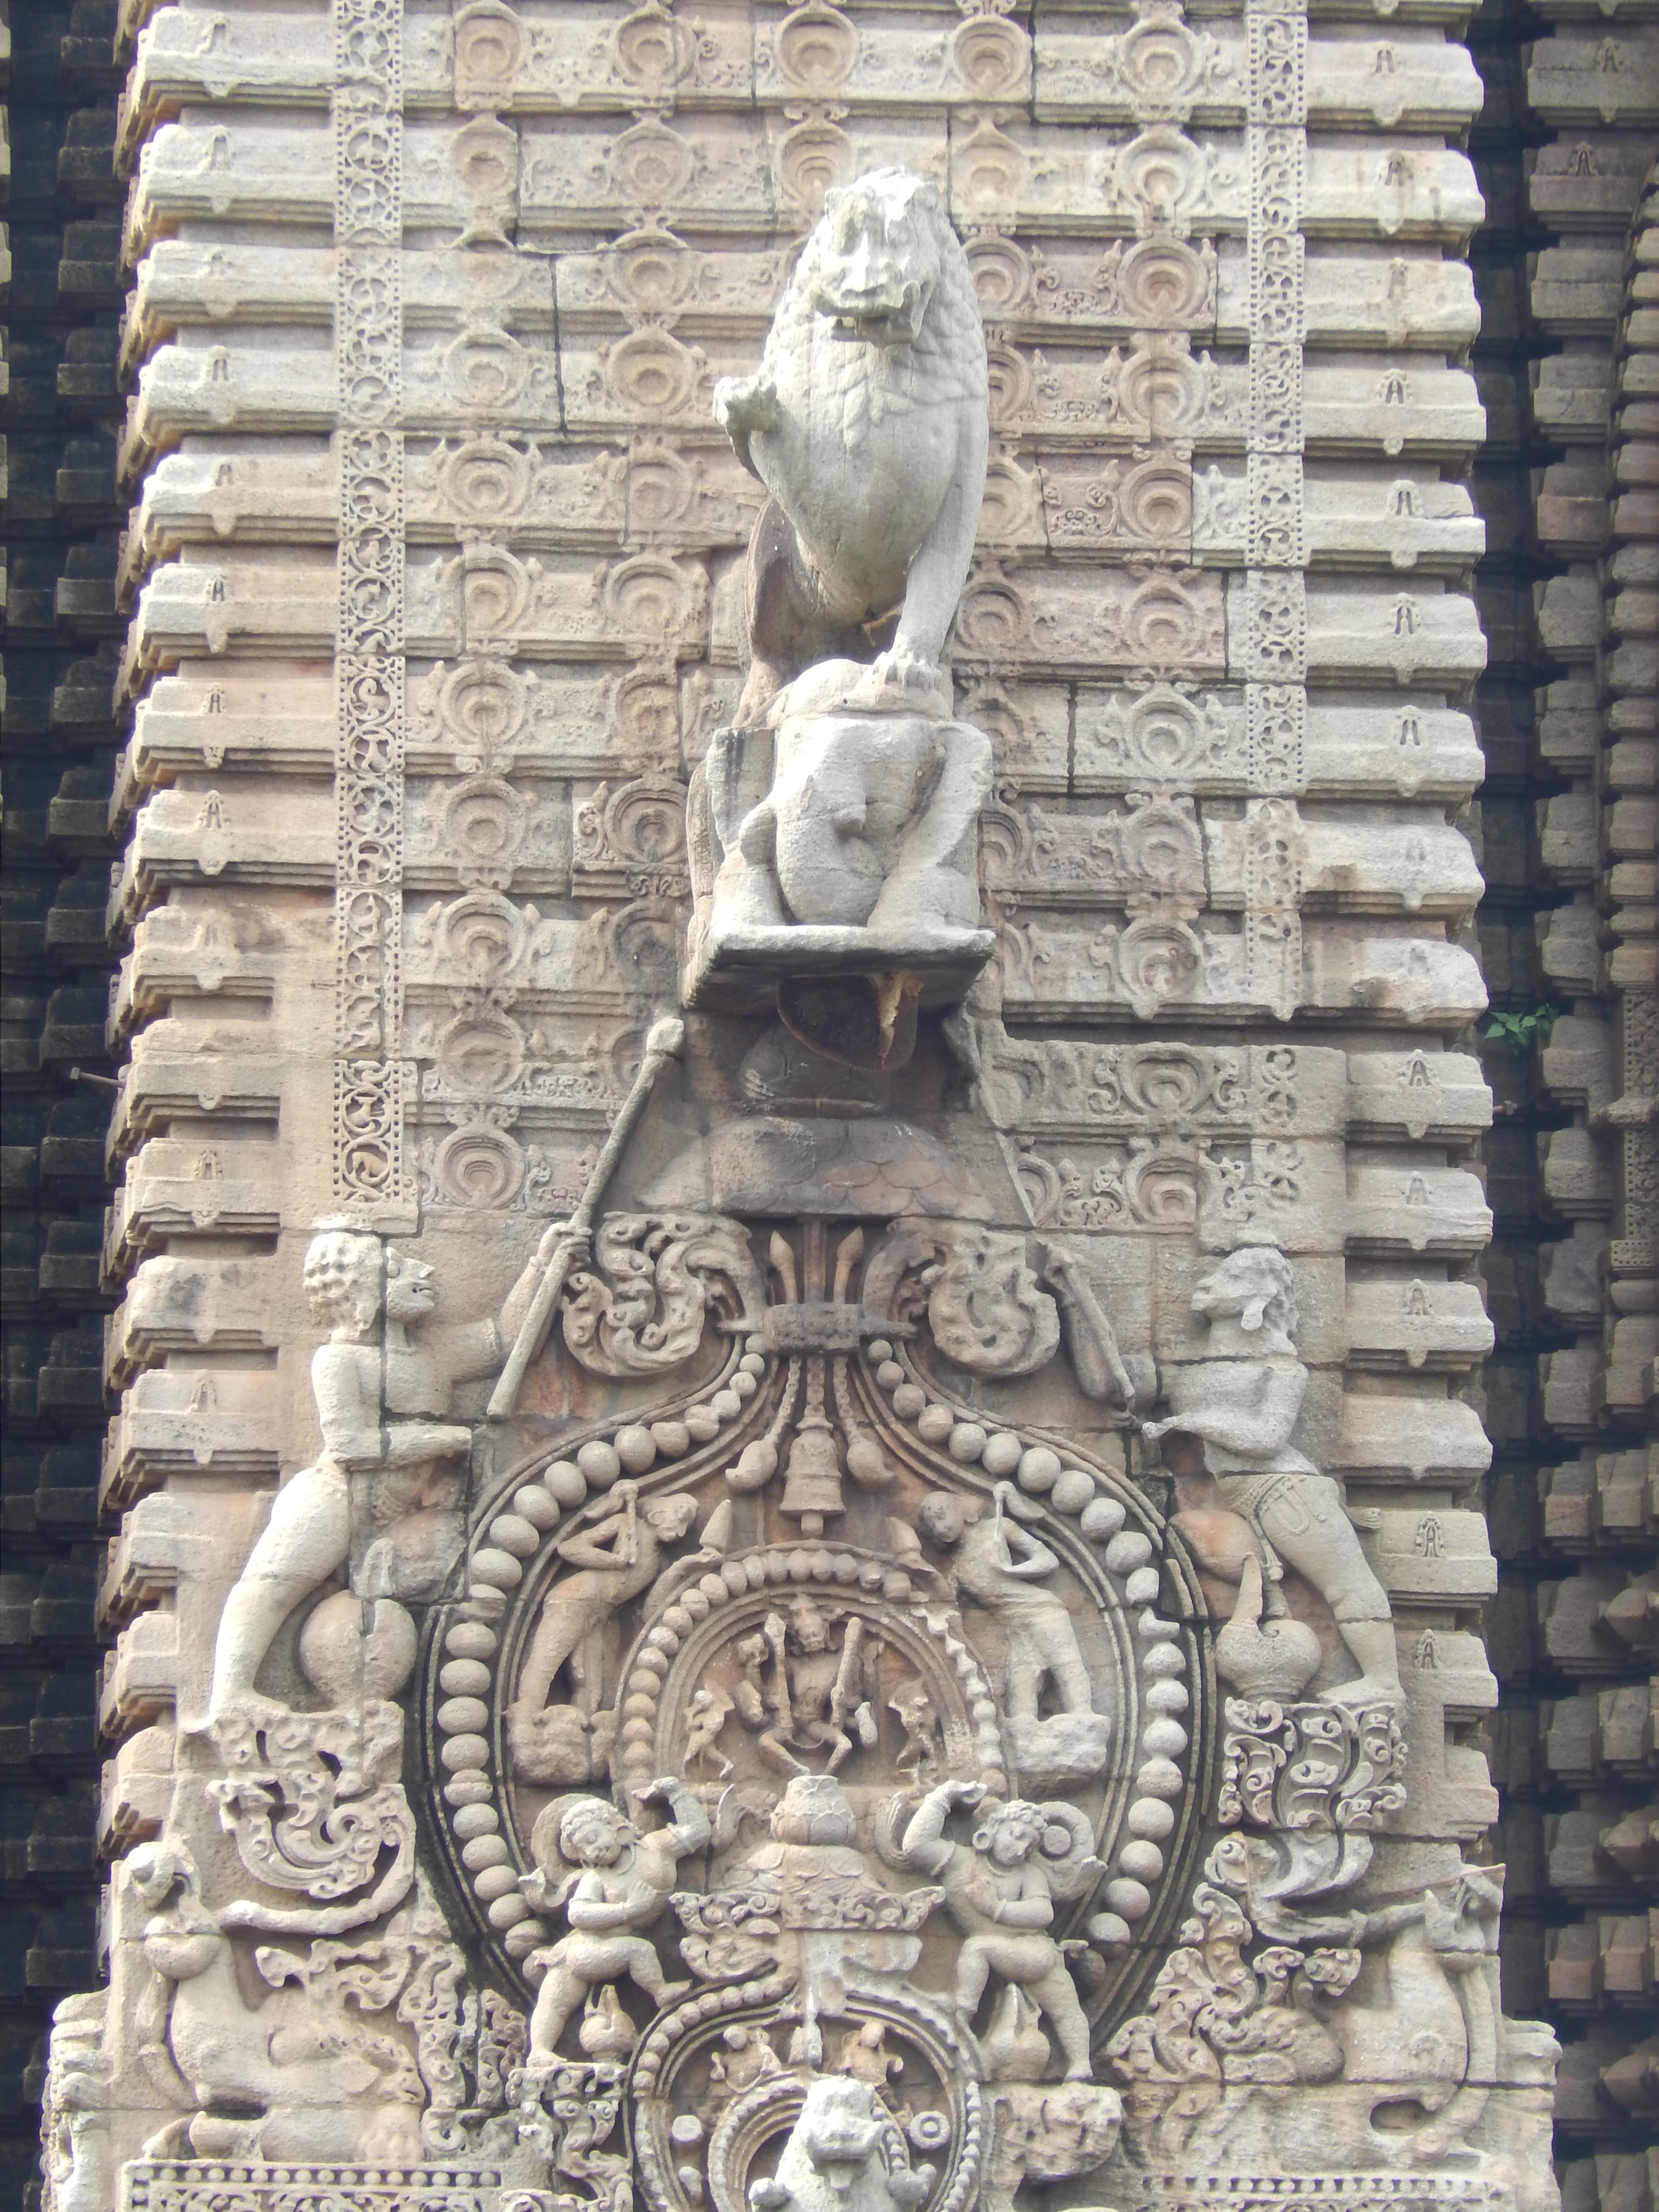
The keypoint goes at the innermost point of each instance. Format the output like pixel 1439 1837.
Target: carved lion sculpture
pixel 868 424
pixel 844 2154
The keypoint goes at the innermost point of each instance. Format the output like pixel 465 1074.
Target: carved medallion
pixel 822 1667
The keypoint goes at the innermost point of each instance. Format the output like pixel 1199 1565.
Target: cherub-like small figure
pixel 745 2058
pixel 1000 1894
pixel 913 1708
pixel 621 1885
pixel 863 2053
pixel 748 1692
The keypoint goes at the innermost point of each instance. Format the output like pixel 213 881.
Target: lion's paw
pixel 745 403
pixel 905 680
pixel 908 669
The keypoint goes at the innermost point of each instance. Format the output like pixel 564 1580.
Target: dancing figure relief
pixel 612 1882
pixel 1050 1723
pixel 999 1889
pixel 613 1560
pixel 815 1699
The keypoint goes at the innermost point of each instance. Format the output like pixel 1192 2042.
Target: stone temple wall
pixel 1587 1761
pixel 799 1515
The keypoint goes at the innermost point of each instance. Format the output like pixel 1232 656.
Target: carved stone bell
pixel 812 1484
pixel 812 1487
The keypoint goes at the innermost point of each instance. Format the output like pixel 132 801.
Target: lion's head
pixel 874 261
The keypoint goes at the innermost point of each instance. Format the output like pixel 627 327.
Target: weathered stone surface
pixel 792 1268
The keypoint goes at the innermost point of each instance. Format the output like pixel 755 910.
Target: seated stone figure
pixel 869 822
pixel 861 854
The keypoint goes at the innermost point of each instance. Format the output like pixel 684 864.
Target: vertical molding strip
pixel 1275 595
pixel 371 1176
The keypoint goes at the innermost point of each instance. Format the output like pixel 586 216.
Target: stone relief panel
pixel 791 1510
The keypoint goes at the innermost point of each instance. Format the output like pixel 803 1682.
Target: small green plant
pixel 1520 1032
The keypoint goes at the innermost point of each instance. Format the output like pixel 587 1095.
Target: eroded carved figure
pixel 845 2154
pixel 1308 1996
pixel 1241 1402
pixel 390 1479
pixel 75 2155
pixel 1001 1566
pixel 613 1560
pixel 302 2076
pixel 869 823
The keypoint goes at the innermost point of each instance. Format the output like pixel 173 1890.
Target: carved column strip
pixel 370 1177
pixel 1275 552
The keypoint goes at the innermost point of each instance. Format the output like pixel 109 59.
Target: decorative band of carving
pixel 1304 2192
pixel 1277 31
pixel 371 1177
pixel 1275 598
pixel 1276 733
pixel 190 2185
